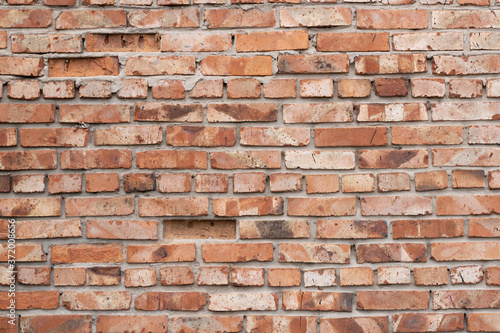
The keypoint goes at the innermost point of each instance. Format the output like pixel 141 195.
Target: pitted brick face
pixel 251 166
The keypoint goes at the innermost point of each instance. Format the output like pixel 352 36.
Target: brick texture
pixel 258 166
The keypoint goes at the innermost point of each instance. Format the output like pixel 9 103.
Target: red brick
pixel 199 229
pixel 274 136
pixel 171 159
pixel 104 276
pixel 176 276
pixel 30 207
pixel 86 253
pixel 465 111
pixel 272 41
pixel 321 206
pixel 25 18
pixel 356 276
pixel 284 324
pixel 391 19
pixel 350 229
pixel 117 229
pixel 243 88
pixel 391 252
pixel 140 277
pixel 493 276
pixel 428 88
pixel 170 18
pixel 96 159
pixel 459 251
pixel 351 137
pixel 430 276
pixel 59 89
pixel 276 229
pixel 227 65
pixel 283 182
pixel 391 64
pixel 247 277
pixel 249 182
pixel 95 89
pixel 139 182
pixel 122 42
pixel 375 324
pixel 91 19
pixel 280 88
pixel 429 41
pixel 352 42
pixel 168 89
pixel 81 67
pixel 236 112
pixel 31 300
pixel 354 88
pixel 243 302
pixel 239 18
pixel 246 160
pixel 21 66
pixel 314 253
pixel 189 42
pixel 23 89
pixel 174 65
pixel 462 65
pixel 392 112
pixel 133 88
pixel 317 301
pixel 168 112
pixel 391 87
pixel 305 64
pixel 461 19
pixel 466 88
pixel 174 183
pixel 465 299
pixel 468 178
pixel 396 181
pixel 33 275
pixel 471 274
pixel 483 322
pixel 206 324
pixel 211 183
pixel 46 43
pixel 96 300
pixel 160 253
pixel 54 137
pixel 433 228
pixel 207 89
pixel 484 227
pixel 315 16
pixel 213 276
pixel 65 183
pixel 94 114
pixel 46 323
pixel 248 206
pixel 99 206
pixel 467 204
pixel 173 206
pixel 28 183
pixel 114 323
pixel 48 229
pixel 180 301
pixel 8 137
pixel 393 300
pixel 322 183
pixel 237 252
pixel 427 322
pixel 393 159
pixel 283 277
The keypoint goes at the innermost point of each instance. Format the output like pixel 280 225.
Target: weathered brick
pixel 352 42
pixel 465 65
pixel 320 277
pixel 248 206
pixel 305 64
pixel 459 251
pixel 284 324
pixel 174 65
pixel 112 323
pixel 241 252
pixel 283 277
pixel 122 42
pixel 30 229
pixel 272 41
pixel 375 324
pixel 96 300
pixel 207 89
pixel 76 67
pixel 427 322
pixel 317 301
pixel 471 274
pixel 280 88
pixel 104 276
pixel 465 111
pixel 392 112
pixel 99 206
pixel 160 253
pixel 430 276
pixel 393 300
pixel 54 137
pixel 139 182
pixel 33 275
pixel 21 66
pixel 133 88
pixel 391 252
pixel 468 178
pixel 274 136
pixel 30 207
pixel 25 18
pixel 211 183
pixel 94 114
pixel 188 42
pixel 228 65
pixel 168 89
pixel 207 324
pixel 178 301
pixel 465 299
pixel 28 183
pixel 46 43
pixel 322 183
pixel 249 182
pixel 428 88
pixel 140 277
pixel 484 227
pixel 391 19
pixel 239 18
pixel 95 89
pixel 318 112
pixel 86 253
pixel 356 276
pixel 176 276
pixel 429 181
pixel 433 228
pixel 393 159
pixel 391 87
pixel 173 206
pixel 351 229
pixel 65 183
pixel 391 64
pixel 465 88
pixel 168 112
pixel 315 16
pixel 351 137
pixel 118 229
pixel 59 89
pixel 354 88
pixel 171 159
pixel 314 253
pixel 255 159
pixel 483 322
pixel 243 88
pixel 243 302
pixel 174 183
pixel 236 112
pixel 170 18
pixel 42 323
pixel 429 41
pixel 199 229
pixel 213 276
pixel 91 19
pixel 30 300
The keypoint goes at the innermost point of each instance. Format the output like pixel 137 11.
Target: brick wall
pixel 251 165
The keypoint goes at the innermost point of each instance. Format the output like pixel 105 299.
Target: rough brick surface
pixel 180 166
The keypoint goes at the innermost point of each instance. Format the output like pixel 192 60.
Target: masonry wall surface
pixel 250 165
